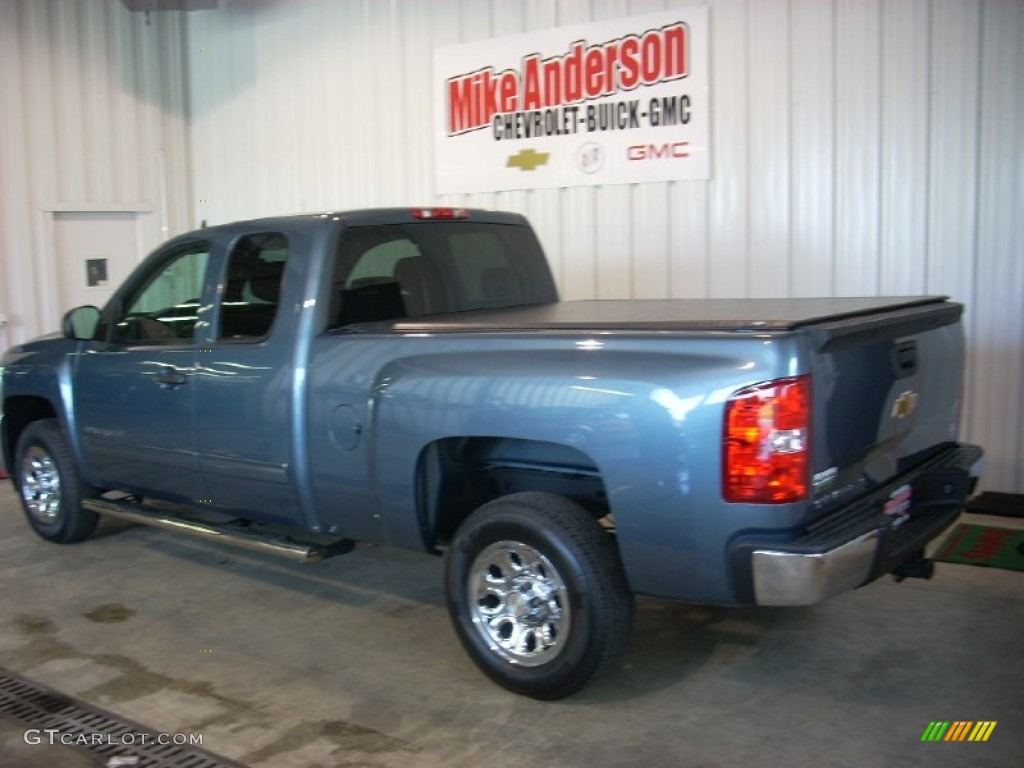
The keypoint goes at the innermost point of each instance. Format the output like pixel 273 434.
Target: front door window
pixel 164 309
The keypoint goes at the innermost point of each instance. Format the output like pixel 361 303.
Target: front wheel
pixel 49 485
pixel 537 594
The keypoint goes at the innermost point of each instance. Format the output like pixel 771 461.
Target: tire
pixel 537 594
pixel 49 485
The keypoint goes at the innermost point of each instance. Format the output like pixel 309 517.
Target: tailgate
pixel 887 390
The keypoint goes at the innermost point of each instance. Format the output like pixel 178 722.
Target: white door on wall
pixel 95 251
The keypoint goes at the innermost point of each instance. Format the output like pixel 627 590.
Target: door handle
pixel 168 378
pixel 904 359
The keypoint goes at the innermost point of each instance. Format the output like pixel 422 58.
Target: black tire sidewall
pixel 582 654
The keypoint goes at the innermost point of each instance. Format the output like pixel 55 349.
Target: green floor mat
pixel 984 545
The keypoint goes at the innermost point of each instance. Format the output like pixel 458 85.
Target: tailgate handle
pixel 904 359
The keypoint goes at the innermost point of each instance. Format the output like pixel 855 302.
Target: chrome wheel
pixel 50 486
pixel 40 486
pixel 519 603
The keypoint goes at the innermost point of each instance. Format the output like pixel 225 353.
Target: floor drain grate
pixel 120 742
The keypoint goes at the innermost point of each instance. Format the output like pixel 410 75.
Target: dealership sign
pixel 614 102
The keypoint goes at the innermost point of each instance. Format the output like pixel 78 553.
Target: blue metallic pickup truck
pixel 410 377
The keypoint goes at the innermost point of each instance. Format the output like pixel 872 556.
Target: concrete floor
pixel 352 662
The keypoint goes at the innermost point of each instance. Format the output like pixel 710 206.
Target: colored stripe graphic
pixel 982 730
pixel 958 730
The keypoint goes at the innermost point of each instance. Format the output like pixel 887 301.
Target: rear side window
pixel 386 272
pixel 253 285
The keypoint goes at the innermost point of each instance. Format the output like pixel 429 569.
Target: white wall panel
pixel 651 261
pixel 687 244
pixel 904 116
pixel 16 221
pixel 952 151
pixel 767 128
pixel 996 374
pixel 578 278
pixel 812 191
pixel 859 147
pixel 614 260
pixel 729 249
pixel 87 122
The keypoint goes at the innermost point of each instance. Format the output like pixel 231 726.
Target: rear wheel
pixel 49 485
pixel 537 594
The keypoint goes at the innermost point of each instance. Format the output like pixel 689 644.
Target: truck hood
pixel 19 352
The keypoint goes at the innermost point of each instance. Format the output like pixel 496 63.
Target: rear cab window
pixel 393 271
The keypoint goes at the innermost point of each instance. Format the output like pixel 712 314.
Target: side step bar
pixel 228 533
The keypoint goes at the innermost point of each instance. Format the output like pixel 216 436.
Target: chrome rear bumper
pixel 788 578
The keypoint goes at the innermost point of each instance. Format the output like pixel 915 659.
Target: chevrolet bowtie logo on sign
pixel 527 160
pixel 958 730
pixel 905 405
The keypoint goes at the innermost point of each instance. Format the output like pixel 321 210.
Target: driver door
pixel 135 389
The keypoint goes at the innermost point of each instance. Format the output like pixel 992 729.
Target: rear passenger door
pixel 244 384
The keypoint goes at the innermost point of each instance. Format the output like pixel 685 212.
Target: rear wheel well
pixel 457 475
pixel 18 412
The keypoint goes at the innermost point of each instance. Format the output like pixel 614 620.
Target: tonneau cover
pixel 667 314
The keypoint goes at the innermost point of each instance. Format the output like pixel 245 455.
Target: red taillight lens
pixel 766 452
pixel 440 213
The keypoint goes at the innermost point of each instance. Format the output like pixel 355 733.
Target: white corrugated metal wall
pixel 92 118
pixel 859 147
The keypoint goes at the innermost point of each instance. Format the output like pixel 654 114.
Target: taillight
pixel 766 451
pixel 440 213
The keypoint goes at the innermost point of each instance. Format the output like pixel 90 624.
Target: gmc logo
pixel 656 152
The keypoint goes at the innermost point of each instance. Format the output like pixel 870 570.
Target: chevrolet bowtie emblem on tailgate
pixel 527 160
pixel 905 405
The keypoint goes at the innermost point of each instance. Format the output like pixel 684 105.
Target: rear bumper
pixel 858 543
pixel 796 578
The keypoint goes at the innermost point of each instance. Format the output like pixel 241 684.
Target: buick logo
pixel 590 157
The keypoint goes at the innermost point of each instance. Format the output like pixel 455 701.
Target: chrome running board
pixel 247 537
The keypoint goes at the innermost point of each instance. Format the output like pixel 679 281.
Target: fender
pixel 40 371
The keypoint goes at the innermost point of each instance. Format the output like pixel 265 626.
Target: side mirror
pixel 81 322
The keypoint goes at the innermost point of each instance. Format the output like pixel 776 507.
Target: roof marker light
pixel 440 213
